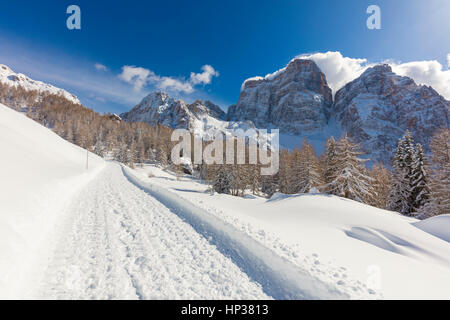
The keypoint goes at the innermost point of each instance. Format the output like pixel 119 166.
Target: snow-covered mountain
pixel 158 108
pixel 18 80
pixel 379 106
pixel 203 118
pixel 375 109
pixel 295 99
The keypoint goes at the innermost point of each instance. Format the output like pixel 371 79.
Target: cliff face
pixel 378 107
pixel 295 99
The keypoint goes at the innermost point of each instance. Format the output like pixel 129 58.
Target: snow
pixel 10 78
pixel 316 139
pixel 111 232
pixel 72 233
pixel 438 226
pixel 278 277
pixel 118 242
pixel 270 76
pixel 39 172
pixel 364 252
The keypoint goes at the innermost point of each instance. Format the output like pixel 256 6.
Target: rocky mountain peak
pixel 158 108
pixel 295 99
pixel 379 106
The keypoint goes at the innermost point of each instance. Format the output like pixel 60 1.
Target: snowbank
pixel 39 172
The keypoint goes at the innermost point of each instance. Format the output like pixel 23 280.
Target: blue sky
pixel 237 39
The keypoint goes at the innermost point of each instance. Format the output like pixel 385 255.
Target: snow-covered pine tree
pixel 398 194
pixel 329 161
pixel 351 180
pixel 420 191
pixel 400 197
pixel 161 155
pixel 222 182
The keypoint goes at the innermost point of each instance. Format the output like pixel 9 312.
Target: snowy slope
pixel 39 172
pixel 364 251
pixel 12 79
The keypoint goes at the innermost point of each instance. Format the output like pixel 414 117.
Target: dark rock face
pixel 378 107
pixel 295 99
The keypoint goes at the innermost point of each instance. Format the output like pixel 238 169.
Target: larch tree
pixel 381 180
pixel 440 178
pixel 310 175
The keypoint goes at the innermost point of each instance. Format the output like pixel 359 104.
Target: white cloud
pixel 168 83
pixel 100 67
pixel 448 60
pixel 340 70
pixel 137 76
pixel 430 73
pixel 140 77
pixel 205 77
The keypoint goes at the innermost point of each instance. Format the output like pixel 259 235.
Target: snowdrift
pixel 438 226
pixel 39 172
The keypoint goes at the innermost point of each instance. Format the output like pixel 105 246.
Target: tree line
pixel 416 185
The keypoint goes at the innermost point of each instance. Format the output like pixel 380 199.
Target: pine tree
pixel 420 191
pixel 222 182
pixel 401 198
pixel 269 184
pixel 351 179
pixel 329 161
pixel 399 190
pixel 161 155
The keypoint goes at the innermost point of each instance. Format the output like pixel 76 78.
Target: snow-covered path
pixel 118 242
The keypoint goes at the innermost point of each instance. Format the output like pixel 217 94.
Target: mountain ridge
pixel 12 79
